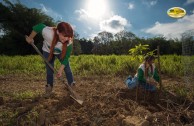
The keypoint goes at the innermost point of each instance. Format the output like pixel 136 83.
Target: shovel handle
pixel 47 62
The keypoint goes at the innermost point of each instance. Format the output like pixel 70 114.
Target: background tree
pixel 17 21
pixel 76 47
pixel 76 44
pixel 123 40
pixel 166 46
pixel 96 46
pixel 105 37
pixel 124 36
pixel 86 46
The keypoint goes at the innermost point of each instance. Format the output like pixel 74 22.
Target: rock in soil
pixel 134 121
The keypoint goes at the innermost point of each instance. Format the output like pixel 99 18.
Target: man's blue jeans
pixel 50 72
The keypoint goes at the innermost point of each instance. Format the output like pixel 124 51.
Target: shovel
pixel 73 94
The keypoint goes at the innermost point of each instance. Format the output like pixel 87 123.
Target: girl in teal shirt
pixel 146 76
pixel 58 42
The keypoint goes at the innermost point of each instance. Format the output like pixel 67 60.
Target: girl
pixel 147 75
pixel 58 42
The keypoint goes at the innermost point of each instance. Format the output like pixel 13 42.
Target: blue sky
pixel 144 18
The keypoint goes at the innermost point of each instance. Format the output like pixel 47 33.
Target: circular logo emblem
pixel 176 12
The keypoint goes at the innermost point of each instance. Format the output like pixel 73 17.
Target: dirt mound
pixel 107 101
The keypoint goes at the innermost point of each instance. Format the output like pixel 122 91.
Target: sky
pixel 144 18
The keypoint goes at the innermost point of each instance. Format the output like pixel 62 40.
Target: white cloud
pixel 114 24
pixel 189 2
pixel 89 28
pixel 91 36
pixel 82 14
pixel 51 12
pixel 150 3
pixel 173 30
pixel 43 8
pixel 131 6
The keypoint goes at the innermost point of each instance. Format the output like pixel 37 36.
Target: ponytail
pixel 147 69
pixel 54 42
pixel 64 48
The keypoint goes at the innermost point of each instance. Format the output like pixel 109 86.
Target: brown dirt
pixel 107 101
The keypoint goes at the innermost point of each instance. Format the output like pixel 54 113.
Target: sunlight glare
pixel 96 8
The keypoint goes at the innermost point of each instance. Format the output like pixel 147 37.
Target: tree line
pixel 18 20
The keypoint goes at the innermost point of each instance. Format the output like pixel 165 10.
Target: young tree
pixel 138 52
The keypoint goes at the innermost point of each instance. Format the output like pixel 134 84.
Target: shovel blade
pixel 77 100
pixel 74 95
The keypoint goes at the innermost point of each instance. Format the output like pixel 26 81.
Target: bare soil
pixel 107 102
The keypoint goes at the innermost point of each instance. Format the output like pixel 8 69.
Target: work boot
pixel 72 84
pixel 48 90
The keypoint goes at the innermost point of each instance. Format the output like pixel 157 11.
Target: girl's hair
pixel 148 59
pixel 67 31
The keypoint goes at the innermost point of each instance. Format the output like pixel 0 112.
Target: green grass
pixel 7 117
pixel 25 95
pixel 21 64
pixel 87 65
pixel 171 65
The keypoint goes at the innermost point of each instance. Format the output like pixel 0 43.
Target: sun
pixel 96 8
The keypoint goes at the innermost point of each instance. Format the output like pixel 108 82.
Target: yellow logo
pixel 176 12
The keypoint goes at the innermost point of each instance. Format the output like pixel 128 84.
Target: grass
pixel 25 95
pixel 11 118
pixel 90 65
pixel 21 64
pixel 7 117
pixel 171 65
pixel 87 65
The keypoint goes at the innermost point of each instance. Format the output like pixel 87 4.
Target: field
pixel 100 81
